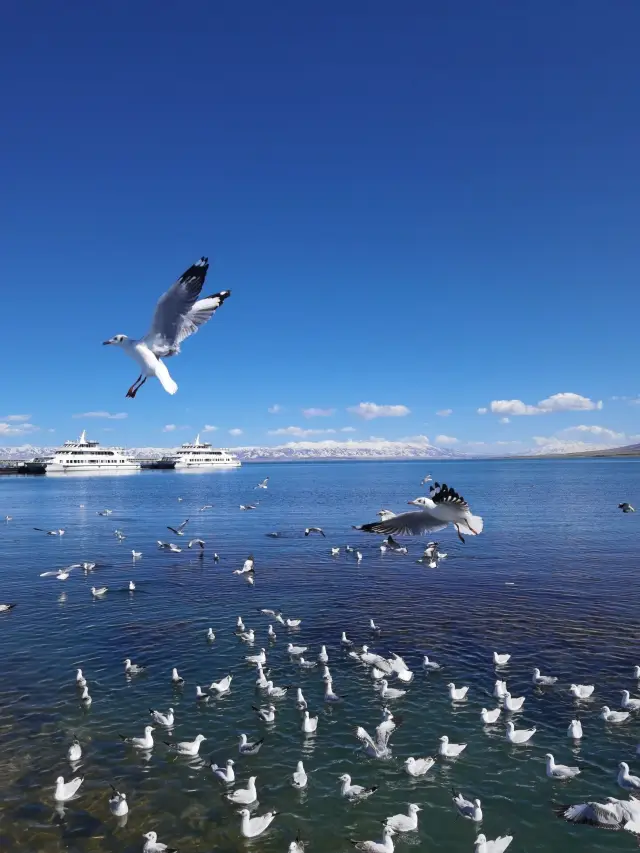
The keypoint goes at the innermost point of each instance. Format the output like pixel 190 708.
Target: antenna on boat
pixel 197 441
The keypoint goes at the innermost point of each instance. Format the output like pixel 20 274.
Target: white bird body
pixel 248 636
pixel 74 753
pixel 144 742
pixel 98 592
pixel 244 796
pixel 628 703
pixel 136 555
pixel 501 660
pixel 519 736
pixel 267 714
pixel 499 845
pixel 543 680
pixel 132 586
pixel 118 804
pixel 167 720
pixel 614 814
pixel 345 641
pixel 250 827
pixel 626 780
pixel 329 695
pixel 276 692
pixel 301 702
pixel 299 777
pixel 354 792
pixel 500 689
pixel 323 657
pixel 610 716
pixel 176 678
pixel 293 623
pixel 387 692
pixel 210 635
pixel 384 846
pixel 67 790
pixel 575 730
pixel 471 809
pixel 201 696
pixel 430 665
pixel 246 747
pixel 450 750
pixel 560 771
pixel 457 694
pixel 85 698
pixel 309 724
pixel 132 668
pixel 404 822
pixel 335 552
pixel 582 691
pixel 152 845
pixel 296 650
pixel 513 704
pixel 81 681
pixel 222 686
pixel 225 774
pixel 259 659
pixel 490 717
pixel 261 680
pixel 187 747
pixel 418 766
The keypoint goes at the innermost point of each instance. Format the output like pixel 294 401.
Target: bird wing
pixel 445 495
pixel 173 308
pixel 602 815
pixel 202 311
pixel 183 525
pixel 407 523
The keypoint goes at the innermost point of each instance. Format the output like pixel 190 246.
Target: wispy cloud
pixel 482 410
pixel 235 431
pixel 602 432
pixel 318 413
pixel 14 428
pixel 564 402
pixel 505 420
pixel 300 432
pixel 209 428
pixel 273 410
pixel 15 418
pixel 445 440
pixel 348 429
pixel 118 416
pixel 169 428
pixel 369 411
pixel 444 413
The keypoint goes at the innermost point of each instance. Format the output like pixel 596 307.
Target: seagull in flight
pixel 310 530
pixel 50 532
pixel 179 530
pixel 264 484
pixel 626 507
pixel 179 314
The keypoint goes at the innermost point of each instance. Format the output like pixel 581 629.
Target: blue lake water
pixel 553 580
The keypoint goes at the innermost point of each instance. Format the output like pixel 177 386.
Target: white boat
pixel 200 454
pixel 85 455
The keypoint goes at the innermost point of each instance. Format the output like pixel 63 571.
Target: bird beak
pixel 106 343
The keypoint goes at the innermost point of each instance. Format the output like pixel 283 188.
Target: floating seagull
pixel 301 702
pixel 430 665
pixel 500 689
pixel 575 730
pixel 59 532
pixel 145 742
pixel 261 681
pixel 418 766
pixel 74 753
pixel 179 530
pixel 246 747
pixel 519 736
pixel 614 814
pixel 560 771
pixel 132 668
pixel 610 716
pixel 512 704
pixel 444 506
pixel 167 720
pixel 136 555
pixel 501 660
pixel 299 776
pixel 543 680
pixel 387 692
pixel 210 635
pixel 266 611
pixel 309 530
pixel 297 846
pixel 373 627
pixel 636 672
pixel 359 556
pixel 245 796
pixel 293 623
pixel 335 552
pixel 306 664
pixel 625 780
pixel 248 506
pixel 187 747
pixel 626 507
pixel 276 692
pixel 323 657
pixel 169 546
pixel 402 822
pixel 247 636
pixel 490 717
pixel 225 774
pixel 98 592
pixel 179 313
pixel 86 566
pixel 581 691
pixel 132 586
pixel 384 846
pixel 199 542
pixel 240 626
pixel 119 535
pixel 260 658
pixel 264 484
pixel 344 641
pixel 118 805
pixel 267 715
pixel 252 826
pixel 499 845
pixel 5 608
pixel 271 634
pixel 67 790
pixel 450 750
pixel 354 792
pixel 329 695
pixel 628 703
pixel 309 724
pixel 296 650
pixel 152 845
pixel 457 694
pixel 216 558
pixel 371 659
pixel 105 512
pixel 81 681
pixel 472 810
pixel 85 698
pixel 201 696
pixel 222 686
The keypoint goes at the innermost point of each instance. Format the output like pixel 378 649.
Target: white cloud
pixel 119 416
pixel 273 410
pixel 318 413
pixel 564 402
pixel 505 421
pixel 445 440
pixel 300 432
pixel 15 418
pixel 16 428
pixel 482 411
pixel 348 429
pixel 235 431
pixel 369 411
pixel 209 428
pixel 444 413
pixel 169 428
pixel 552 444
pixel 603 432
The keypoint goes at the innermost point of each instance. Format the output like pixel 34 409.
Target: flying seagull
pixel 179 313
pixel 310 530
pixel 179 530
pixel 264 484
pixel 626 507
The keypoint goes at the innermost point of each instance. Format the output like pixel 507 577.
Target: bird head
pixel 116 340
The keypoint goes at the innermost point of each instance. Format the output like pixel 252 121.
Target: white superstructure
pixel 200 454
pixel 85 455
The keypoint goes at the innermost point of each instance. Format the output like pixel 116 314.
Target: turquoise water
pixel 551 529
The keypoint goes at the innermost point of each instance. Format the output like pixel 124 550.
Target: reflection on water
pixel 552 580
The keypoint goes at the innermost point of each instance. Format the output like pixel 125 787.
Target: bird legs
pixel 137 385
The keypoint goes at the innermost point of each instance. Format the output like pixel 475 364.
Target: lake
pixel 553 580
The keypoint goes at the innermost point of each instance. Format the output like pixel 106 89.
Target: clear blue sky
pixel 418 204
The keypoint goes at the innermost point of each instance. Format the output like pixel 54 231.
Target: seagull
pixel 499 845
pixel 145 742
pixel 179 530
pixel 247 566
pixel 299 777
pixel 67 790
pixel 444 506
pixel 132 586
pixel 309 724
pixel 59 532
pixel 297 846
pixel 260 658
pixel 457 694
pixel 512 704
pixel 628 703
pixel 200 542
pixel 245 747
pixel 205 507
pixel 625 780
pixel 136 555
pixel 610 716
pixel 335 552
pixel 472 810
pixel 276 692
pixel 74 753
pixel 222 686
pixel 201 696
pixel 261 681
pixel 81 681
pixel 306 664
pixel 152 845
pixel 359 556
pixel 266 611
pixel 167 720
pixel 267 715
pixel 626 507
pixel 252 826
pixel 293 623
pixel 179 313
pixel 247 636
pixel 426 480
pixel 575 730
pixel 248 506
pixel 187 747
pixel 309 530
pixel 581 691
pixel 225 774
pixel 387 692
pixel 430 665
pixel 59 574
pixel 384 846
pixel 301 702
pixel 271 634
pixel 613 814
pixel 132 668
pixel 354 792
pixel 119 535
pixel 543 680
pixel 210 635
pixel 245 796
pixel 240 626
pixel 344 641
pixel 500 689
pixel 501 660
pixel 85 698
pixel 419 766
pixel 404 822
pixel 490 717
pixel 169 546
pixel 98 592
pixel 450 750
pixel 105 512
pixel 519 736
pixel 118 805
pixel 296 650
pixel 373 627
pixel 323 657
pixel 264 484
pixel 329 695
pixel 378 748
pixel 560 771
pixel 5 608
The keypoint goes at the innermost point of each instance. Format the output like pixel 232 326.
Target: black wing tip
pixel 222 295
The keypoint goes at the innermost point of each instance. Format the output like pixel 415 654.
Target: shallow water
pixel 552 530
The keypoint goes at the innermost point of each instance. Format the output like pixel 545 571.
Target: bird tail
pixel 165 379
pixel 471 525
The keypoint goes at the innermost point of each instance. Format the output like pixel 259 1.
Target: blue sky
pixel 425 206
